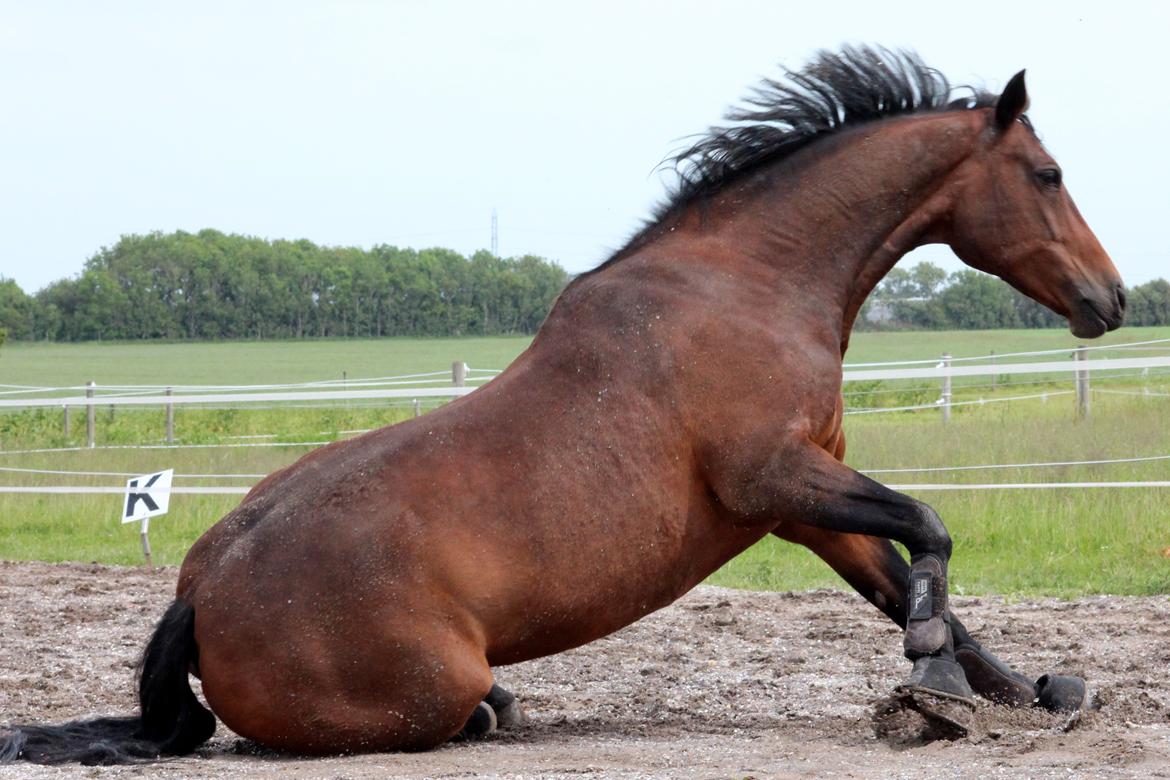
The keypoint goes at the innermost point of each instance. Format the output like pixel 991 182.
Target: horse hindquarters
pixel 349 689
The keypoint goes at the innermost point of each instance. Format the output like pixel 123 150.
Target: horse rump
pixel 172 720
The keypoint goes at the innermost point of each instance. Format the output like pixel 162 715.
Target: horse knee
pixel 929 535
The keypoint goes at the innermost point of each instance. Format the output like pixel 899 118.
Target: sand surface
pixel 723 684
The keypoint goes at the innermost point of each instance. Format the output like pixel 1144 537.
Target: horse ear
pixel 1012 102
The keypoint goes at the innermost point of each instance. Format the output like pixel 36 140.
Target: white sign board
pixel 147 496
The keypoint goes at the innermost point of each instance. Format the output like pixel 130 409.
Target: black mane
pixel 834 92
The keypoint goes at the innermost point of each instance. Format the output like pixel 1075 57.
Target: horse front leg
pixel 878 572
pixel 805 485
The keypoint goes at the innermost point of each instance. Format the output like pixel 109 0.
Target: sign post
pixel 146 497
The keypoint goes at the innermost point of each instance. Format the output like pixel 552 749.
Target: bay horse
pixel 680 402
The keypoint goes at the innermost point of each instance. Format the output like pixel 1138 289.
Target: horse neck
pixel 830 222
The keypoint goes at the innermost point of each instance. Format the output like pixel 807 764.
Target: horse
pixel 680 402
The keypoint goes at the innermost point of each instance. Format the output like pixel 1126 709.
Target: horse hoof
pixel 946 717
pixel 913 716
pixel 935 703
pixel 940 677
pixel 508 711
pixel 511 716
pixel 1062 693
pixel 481 723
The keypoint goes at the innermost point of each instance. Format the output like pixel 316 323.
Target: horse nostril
pixel 1121 297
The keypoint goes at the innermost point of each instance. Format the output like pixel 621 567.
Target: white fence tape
pixel 991 357
pixel 229 490
pixel 915 470
pixel 430 377
pixel 13 469
pixel 364 389
pixel 1110 461
pixel 1050 367
pixel 932 372
pixel 1143 394
pixel 52 450
pixel 1049 464
pixel 977 402
pixel 240 398
pixel 75 489
pixel 1031 486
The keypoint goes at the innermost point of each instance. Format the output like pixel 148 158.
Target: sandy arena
pixel 723 684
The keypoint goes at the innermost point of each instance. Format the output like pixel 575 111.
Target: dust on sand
pixel 723 684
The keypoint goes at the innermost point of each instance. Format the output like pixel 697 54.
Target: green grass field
pixel 262 362
pixel 1062 542
pixel 245 362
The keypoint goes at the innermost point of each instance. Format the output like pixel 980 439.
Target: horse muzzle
pixel 1098 311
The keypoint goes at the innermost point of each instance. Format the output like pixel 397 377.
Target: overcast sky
pixel 408 122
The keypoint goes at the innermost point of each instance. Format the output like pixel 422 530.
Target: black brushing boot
pixel 937 688
pixel 992 679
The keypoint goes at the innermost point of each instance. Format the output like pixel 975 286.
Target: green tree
pixel 976 301
pixel 16 310
pixel 921 281
pixel 909 297
pixel 928 279
pixel 1149 304
pixel 210 285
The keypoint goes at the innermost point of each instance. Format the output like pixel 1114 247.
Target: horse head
pixel 1011 216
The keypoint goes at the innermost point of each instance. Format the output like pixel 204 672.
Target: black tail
pixel 173 722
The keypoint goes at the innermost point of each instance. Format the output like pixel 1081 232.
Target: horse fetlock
pixel 932 535
pixel 926 607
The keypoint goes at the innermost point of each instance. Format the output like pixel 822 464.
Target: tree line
pixel 210 285
pixel 925 297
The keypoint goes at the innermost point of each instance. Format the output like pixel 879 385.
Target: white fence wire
pixel 919 469
pixel 1145 345
pixel 408 387
pixel 233 490
pixel 141 396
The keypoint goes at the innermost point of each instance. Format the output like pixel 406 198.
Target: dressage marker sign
pixel 146 497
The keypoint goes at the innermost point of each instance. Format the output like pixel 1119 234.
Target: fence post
pixel 946 389
pixel 170 417
pixel 459 373
pixel 68 425
pixel 89 412
pixel 993 375
pixel 1082 383
pixel 417 408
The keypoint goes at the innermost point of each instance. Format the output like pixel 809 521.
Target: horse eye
pixel 1049 177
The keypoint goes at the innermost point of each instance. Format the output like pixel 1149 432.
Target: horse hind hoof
pixel 509 714
pixel 1062 693
pixel 481 723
